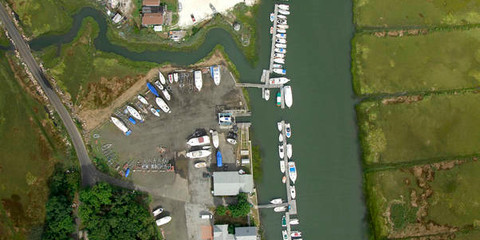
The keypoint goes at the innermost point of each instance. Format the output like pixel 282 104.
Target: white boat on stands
pixel 215 138
pixel 279 60
pixel 157 211
pixel 288 96
pixel 170 78
pixel 166 94
pixel 200 164
pixel 276 201
pixel 279 55
pixel 281 151
pixel 267 94
pixel 283 12
pixel 280 71
pixel 142 99
pixel 161 78
pixel 282 166
pixel 215 72
pixel 198 80
pixel 292 171
pixel 289 151
pixel 296 234
pixel 281 45
pixel 199 153
pixel 280 137
pixel 288 130
pixel 159 85
pixel 284 7
pixel 199 141
pixel 175 77
pixel 279 80
pixel 293 193
pixel 279 30
pixel 279 126
pixel 154 111
pixel 232 141
pixel 281 35
pixel 281 50
pixel 163 221
pixel 120 125
pixel 134 113
pixel 294 221
pixel 280 209
pixel 163 105
pixel 281 40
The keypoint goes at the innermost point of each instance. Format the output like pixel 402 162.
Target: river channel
pixel 329 185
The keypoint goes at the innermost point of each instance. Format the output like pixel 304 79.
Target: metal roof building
pixel 245 233
pixel 231 183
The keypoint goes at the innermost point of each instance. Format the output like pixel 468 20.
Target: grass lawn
pixel 80 69
pixel 39 17
pixel 392 13
pixel 27 155
pixel 439 126
pixel 3 39
pixel 436 61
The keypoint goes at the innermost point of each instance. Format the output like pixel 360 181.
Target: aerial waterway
pixel 329 186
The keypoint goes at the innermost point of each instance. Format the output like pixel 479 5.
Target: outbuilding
pixel 231 183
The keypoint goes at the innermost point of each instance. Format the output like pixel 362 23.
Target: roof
pixel 220 232
pixel 231 183
pixel 151 2
pixel 246 233
pixel 152 19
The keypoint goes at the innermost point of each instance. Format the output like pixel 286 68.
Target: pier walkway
pixel 272 205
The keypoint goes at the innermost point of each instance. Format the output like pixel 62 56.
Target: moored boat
pixel 276 65
pixel 152 89
pixel 134 113
pixel 282 26
pixel 279 99
pixel 280 137
pixel 215 139
pixel 198 80
pixel 285 7
pixel 163 221
pixel 288 130
pixel 163 105
pixel 200 164
pixel 293 193
pixel 281 35
pixel 283 12
pixel 282 166
pixel 292 171
pixel 272 17
pixel 215 72
pixel 294 221
pixel 279 126
pixel 284 221
pixel 199 153
pixel 279 30
pixel 161 78
pixel 279 55
pixel 278 60
pixel 276 201
pixel 199 141
pixel 159 85
pixel 267 94
pixel 280 209
pixel 281 45
pixel 289 151
pixel 175 77
pixel 296 234
pixel 155 111
pixel 280 50
pixel 285 235
pixel 284 179
pixel 142 99
pixel 120 125
pixel 280 71
pixel 281 151
pixel 288 96
pixel 280 16
pixel 281 40
pixel 166 94
pixel 279 80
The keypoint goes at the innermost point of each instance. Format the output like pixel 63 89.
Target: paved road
pixel 89 173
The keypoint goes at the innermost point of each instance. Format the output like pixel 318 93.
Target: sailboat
pixel 120 125
pixel 289 151
pixel 163 105
pixel 267 94
pixel 142 99
pixel 134 113
pixel 198 80
pixel 161 78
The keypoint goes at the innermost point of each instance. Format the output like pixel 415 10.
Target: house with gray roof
pixel 220 232
pixel 231 183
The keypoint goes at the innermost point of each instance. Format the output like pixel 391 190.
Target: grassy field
pixel 439 126
pixel 3 39
pixel 46 16
pixel 27 154
pixel 436 61
pixel 392 13
pixel 80 69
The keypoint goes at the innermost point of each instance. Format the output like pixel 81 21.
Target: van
pixel 206 216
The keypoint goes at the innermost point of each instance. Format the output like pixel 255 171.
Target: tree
pixel 221 210
pixel 241 208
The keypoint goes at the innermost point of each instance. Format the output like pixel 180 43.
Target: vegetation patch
pixel 3 39
pixel 435 61
pixel 416 128
pixel 393 13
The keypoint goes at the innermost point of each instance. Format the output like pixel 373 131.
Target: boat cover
pixel 127 172
pixel 132 120
pixel 152 89
pixel 219 159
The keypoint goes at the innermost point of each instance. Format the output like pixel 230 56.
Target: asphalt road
pixel 89 173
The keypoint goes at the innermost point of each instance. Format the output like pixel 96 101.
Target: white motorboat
pixel 282 26
pixel 279 80
pixel 276 201
pixel 285 235
pixel 280 71
pixel 280 137
pixel 277 65
pixel 282 21
pixel 215 138
pixel 198 80
pixel 279 98
pixel 281 45
pixel 280 16
pixel 281 50
pixel 282 166
pixel 157 211
pixel 199 141
pixel 292 171
pixel 163 221
pixel 170 78
pixel 296 234
pixel 281 40
pixel 207 147
pixel 280 30
pixel 159 85
pixel 279 55
pixel 293 193
pixel 175 77
pixel 163 105
pixel 281 35
pixel 134 113
pixel 200 164
pixel 215 72
pixel 294 221
pixel 284 7
pixel 155 111
pixel 166 94
pixel 288 130
pixel 142 99
pixel 280 209
pixel 161 78
pixel 283 12
pixel 281 151
pixel 232 141
pixel 120 125
pixel 279 60
pixel 199 153
pixel 289 151
pixel 284 179
pixel 279 126
pixel 288 96
pixel 267 94
pixel 272 17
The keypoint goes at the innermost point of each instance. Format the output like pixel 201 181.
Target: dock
pixel 291 202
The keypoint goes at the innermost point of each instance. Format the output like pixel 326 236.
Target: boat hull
pixel 198 80
pixel 198 154
pixel 142 99
pixel 289 150
pixel 281 151
pixel 199 141
pixel 282 166
pixel 163 221
pixel 288 96
pixel 161 78
pixel 215 139
pixel 163 105
pixel 292 171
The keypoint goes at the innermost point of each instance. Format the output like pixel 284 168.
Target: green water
pixel 325 148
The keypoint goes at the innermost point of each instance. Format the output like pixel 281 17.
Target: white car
pixel 157 211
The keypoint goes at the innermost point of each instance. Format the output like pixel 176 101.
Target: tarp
pixel 132 120
pixel 219 159
pixel 127 172
pixel 152 89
